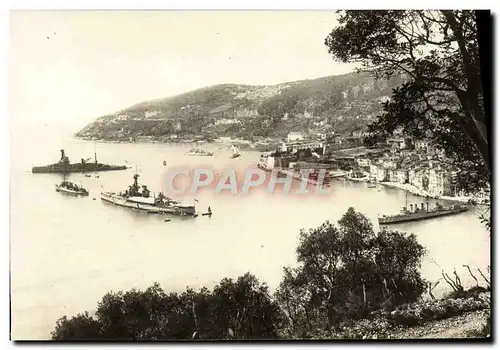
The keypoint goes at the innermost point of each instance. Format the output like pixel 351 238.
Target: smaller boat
pixel 208 213
pixel 198 152
pixel 236 152
pixel 69 187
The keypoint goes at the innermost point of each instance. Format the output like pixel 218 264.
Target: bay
pixel 67 252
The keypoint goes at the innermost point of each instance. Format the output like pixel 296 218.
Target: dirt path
pixel 453 327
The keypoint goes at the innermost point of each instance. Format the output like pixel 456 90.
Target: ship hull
pixel 150 208
pixel 76 168
pixel 419 216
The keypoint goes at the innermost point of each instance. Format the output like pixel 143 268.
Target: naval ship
pixel 415 213
pixel 64 166
pixel 139 197
pixel 71 188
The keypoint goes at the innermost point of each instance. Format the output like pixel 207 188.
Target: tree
pixel 438 52
pixel 80 327
pixel 244 309
pixel 241 309
pixel 347 271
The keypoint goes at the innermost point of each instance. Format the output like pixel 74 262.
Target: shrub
pixel 413 314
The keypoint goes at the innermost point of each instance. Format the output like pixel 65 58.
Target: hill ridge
pixel 345 102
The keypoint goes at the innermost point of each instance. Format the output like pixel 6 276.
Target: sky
pixel 73 66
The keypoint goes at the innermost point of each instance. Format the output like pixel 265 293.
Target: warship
pixel 139 197
pixel 415 213
pixel 64 166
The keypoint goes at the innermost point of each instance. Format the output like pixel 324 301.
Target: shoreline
pixel 420 193
pixel 242 144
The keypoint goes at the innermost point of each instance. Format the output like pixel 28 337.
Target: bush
pixel 414 314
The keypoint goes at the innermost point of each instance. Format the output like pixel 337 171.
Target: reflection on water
pixel 66 251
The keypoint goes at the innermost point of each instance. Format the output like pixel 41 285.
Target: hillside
pixel 344 102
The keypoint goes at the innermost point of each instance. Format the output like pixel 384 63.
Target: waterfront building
pixel 373 171
pixel 401 175
pixel 382 174
pixel 440 182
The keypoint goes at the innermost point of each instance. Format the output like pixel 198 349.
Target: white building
pixel 363 162
pixel 295 136
pixel 421 145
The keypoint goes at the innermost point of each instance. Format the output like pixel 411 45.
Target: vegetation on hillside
pixel 345 102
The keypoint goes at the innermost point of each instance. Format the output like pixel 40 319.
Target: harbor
pixel 106 247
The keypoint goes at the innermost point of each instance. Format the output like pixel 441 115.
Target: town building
pixel 399 143
pixel 440 182
pixel 401 175
pixel 421 145
pixel 295 136
pixel 363 162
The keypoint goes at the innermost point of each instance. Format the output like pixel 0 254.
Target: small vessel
pixel 64 166
pixel 208 213
pixel 69 187
pixel 198 152
pixel 236 152
pixel 164 162
pixel 372 184
pixel 139 197
pixel 415 213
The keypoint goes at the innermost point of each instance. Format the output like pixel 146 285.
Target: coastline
pixel 242 145
pixel 421 193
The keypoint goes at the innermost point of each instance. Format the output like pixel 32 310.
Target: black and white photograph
pixel 238 175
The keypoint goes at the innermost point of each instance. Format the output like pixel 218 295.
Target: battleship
pixel 64 166
pixel 139 197
pixel 414 213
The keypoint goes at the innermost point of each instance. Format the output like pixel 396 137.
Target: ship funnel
pixel 411 208
pixel 427 206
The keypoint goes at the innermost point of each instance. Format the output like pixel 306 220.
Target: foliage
pixel 438 52
pixel 419 313
pixel 80 327
pixel 240 309
pixel 347 271
pixel 485 331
